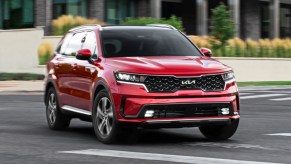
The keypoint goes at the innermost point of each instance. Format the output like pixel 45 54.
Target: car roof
pixel 122 27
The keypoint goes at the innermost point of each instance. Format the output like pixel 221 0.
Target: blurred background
pixel 249 35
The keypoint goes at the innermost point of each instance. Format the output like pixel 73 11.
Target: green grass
pixel 20 76
pixel 264 83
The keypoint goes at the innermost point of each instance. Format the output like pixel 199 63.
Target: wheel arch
pixel 100 85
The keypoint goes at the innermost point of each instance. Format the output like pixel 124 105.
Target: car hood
pixel 167 65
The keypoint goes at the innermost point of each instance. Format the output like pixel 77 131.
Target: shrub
pixel 64 23
pixel 207 42
pixel 200 41
pixel 45 50
pixel 235 47
pixel 223 26
pixel 265 48
pixel 252 48
pixel 173 20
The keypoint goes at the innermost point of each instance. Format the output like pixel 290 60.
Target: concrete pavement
pixel 263 137
pixel 13 87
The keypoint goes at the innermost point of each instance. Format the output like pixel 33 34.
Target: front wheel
pixel 219 132
pixel 104 120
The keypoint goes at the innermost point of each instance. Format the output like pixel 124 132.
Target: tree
pixel 223 26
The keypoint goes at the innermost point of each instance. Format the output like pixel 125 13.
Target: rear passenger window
pixel 91 44
pixel 75 44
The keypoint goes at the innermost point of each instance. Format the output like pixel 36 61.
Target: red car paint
pixel 76 81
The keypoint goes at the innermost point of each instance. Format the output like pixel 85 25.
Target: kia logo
pixel 188 82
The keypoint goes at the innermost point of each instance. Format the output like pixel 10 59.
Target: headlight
pixel 127 77
pixel 228 76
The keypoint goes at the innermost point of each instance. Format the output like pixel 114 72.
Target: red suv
pixel 149 76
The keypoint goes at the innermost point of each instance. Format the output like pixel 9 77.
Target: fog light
pixel 149 113
pixel 225 111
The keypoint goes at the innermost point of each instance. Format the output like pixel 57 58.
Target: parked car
pixel 153 76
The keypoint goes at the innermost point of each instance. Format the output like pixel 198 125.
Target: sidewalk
pixel 21 87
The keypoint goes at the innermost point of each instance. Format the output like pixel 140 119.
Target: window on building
pixel 69 7
pixel 285 20
pixel 265 19
pixel 16 14
pixel 119 10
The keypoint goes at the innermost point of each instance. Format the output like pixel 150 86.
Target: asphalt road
pixel 264 135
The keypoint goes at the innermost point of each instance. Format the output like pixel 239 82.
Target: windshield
pixel 146 42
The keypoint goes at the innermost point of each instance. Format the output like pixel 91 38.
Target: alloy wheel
pixel 104 116
pixel 52 108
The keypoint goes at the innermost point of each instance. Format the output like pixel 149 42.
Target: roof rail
pixel 86 27
pixel 163 26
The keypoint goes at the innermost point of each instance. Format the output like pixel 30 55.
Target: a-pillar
pixel 234 6
pixel 202 17
pixel 274 18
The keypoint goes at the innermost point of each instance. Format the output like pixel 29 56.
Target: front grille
pixel 186 110
pixel 211 83
pixel 172 84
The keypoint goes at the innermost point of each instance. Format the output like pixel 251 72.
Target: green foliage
pixel 236 47
pixel 264 83
pixel 20 76
pixel 223 26
pixel 43 59
pixel 173 20
pixel 64 23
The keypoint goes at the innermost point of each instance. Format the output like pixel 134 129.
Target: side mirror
pixel 207 52
pixel 83 54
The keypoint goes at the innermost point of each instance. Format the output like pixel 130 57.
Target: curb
pixel 21 92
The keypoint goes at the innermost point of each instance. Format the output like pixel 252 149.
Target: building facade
pixel 253 18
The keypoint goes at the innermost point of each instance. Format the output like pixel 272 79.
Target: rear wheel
pixel 56 120
pixel 104 120
pixel 219 132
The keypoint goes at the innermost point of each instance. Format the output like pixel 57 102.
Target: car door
pixel 86 73
pixel 68 83
pixel 62 69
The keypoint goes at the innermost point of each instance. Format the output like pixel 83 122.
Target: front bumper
pixel 188 122
pixel 131 102
pixel 189 111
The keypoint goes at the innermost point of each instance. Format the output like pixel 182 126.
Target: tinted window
pixel 146 42
pixel 91 44
pixel 75 44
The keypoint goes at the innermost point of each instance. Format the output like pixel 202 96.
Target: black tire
pixel 59 121
pixel 106 131
pixel 219 132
